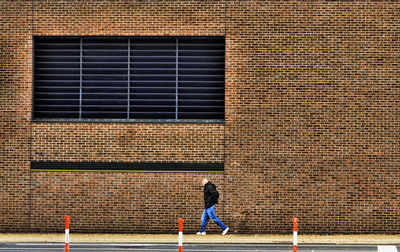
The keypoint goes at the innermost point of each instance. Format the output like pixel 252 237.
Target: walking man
pixel 210 199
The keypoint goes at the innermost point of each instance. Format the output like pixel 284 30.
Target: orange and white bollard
pixel 180 237
pixel 67 233
pixel 295 220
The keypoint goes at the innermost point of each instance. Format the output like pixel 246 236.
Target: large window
pixel 129 78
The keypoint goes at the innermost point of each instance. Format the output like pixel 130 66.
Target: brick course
pixel 312 122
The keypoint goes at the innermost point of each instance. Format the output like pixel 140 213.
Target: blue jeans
pixel 208 214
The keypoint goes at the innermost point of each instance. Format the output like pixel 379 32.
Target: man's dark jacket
pixel 210 195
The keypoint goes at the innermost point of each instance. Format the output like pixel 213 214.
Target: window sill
pixel 129 121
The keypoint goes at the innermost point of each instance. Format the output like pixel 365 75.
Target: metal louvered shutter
pixel 201 75
pixel 129 78
pixel 153 78
pixel 105 78
pixel 57 77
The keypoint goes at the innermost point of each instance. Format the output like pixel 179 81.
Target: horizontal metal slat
pixel 95 46
pixel 100 99
pixel 103 105
pixel 153 62
pixel 111 50
pixel 56 100
pixel 200 100
pixel 199 106
pixel 64 108
pixel 153 81
pixel 104 115
pixel 105 87
pixel 208 72
pixel 202 89
pixel 88 43
pixel 56 44
pixel 105 77
pixel 57 89
pixel 102 108
pixel 52 94
pixel 104 81
pixel 152 99
pixel 152 78
pixel 95 59
pixel 107 71
pixel 60 71
pixel 136 43
pixel 57 65
pixel 153 56
pixel 43 78
pixel 58 105
pixel 151 72
pixel 154 113
pixel 54 112
pixel 152 106
pixel 57 50
pixel 57 53
pixel 108 65
pixel 90 93
pixel 201 113
pixel 152 95
pixel 57 57
pixel 104 91
pixel 109 54
pixel 153 50
pixel 105 112
pixel 152 110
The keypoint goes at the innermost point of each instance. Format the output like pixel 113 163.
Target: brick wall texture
pixel 311 124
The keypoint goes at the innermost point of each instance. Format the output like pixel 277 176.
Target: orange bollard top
pixel 180 220
pixel 67 222
pixel 295 220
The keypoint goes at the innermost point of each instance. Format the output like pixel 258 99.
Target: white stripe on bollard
pixel 66 235
pixel 295 238
pixel 180 239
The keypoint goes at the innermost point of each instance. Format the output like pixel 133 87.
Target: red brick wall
pixel 133 18
pixel 15 110
pixel 312 122
pixel 313 116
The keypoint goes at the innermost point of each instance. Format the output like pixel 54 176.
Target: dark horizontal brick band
pixel 124 166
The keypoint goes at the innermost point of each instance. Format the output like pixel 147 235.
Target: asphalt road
pixel 51 247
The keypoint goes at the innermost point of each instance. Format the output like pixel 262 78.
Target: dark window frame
pixel 178 77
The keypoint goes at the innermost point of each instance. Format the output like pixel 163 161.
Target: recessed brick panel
pixel 128 142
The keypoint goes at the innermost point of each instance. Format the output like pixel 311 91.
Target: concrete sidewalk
pixel 189 238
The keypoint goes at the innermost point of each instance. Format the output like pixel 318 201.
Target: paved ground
pixel 52 247
pixel 210 242
pixel 209 238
